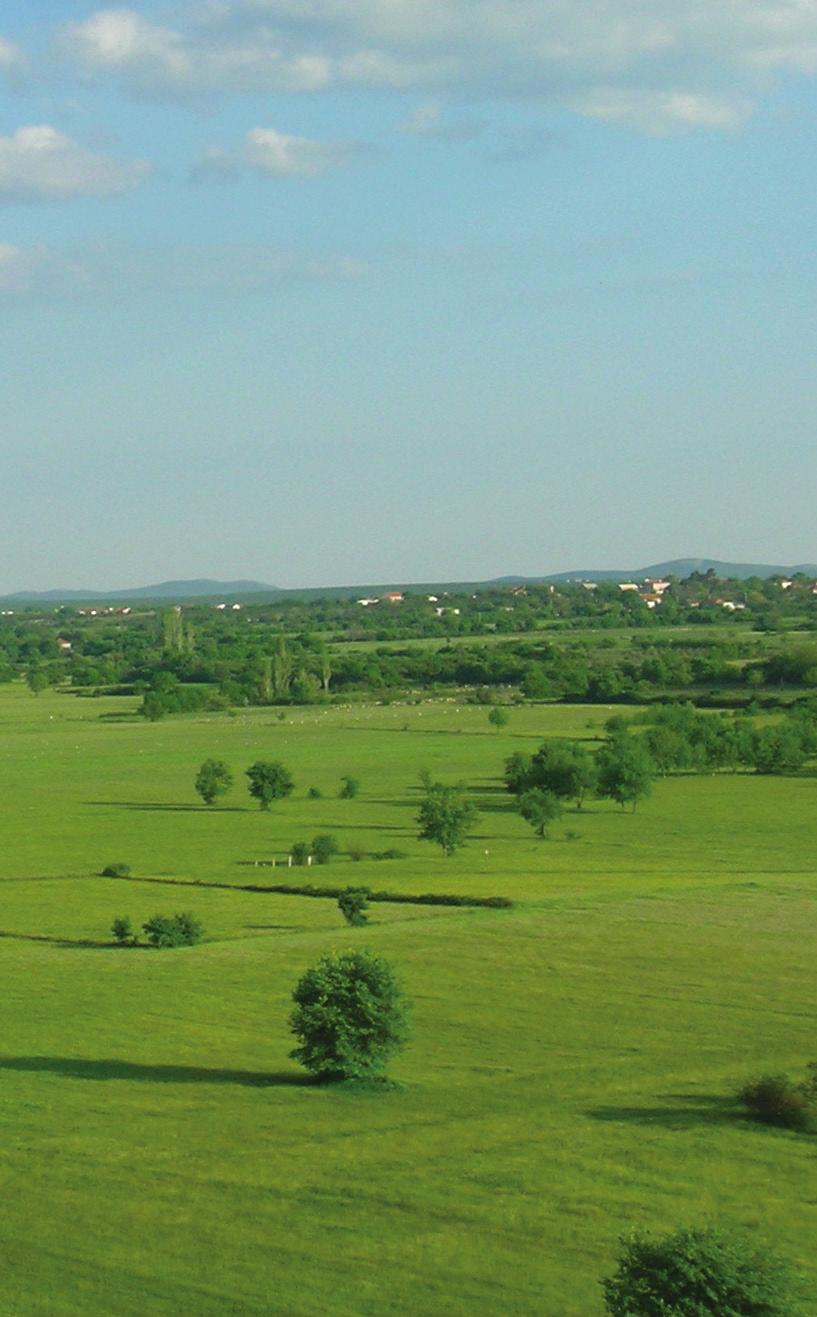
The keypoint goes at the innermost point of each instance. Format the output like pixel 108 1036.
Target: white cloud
pixel 695 63
pixel 100 270
pixel 41 164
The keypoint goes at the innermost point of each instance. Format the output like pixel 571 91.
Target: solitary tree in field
pixel 446 817
pixel 213 780
pixel 539 808
pixel 350 1016
pixel 625 771
pixel 269 781
pixel 499 717
pixel 697 1273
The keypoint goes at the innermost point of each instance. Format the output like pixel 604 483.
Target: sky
pixel 322 292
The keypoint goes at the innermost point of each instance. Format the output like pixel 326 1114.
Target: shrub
pixel 324 847
pixel 692 1273
pixel 393 854
pixel 349 788
pixel 116 871
pixel 778 1100
pixel 122 929
pixel 300 853
pixel 353 904
pixel 315 793
pixel 180 930
pixel 356 853
pixel 350 1016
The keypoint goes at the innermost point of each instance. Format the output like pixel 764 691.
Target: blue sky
pixel 325 291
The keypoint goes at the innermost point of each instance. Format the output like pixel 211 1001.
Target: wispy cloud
pixel 274 154
pixel 13 63
pixel 116 270
pixel 653 65
pixel 39 163
pixel 430 119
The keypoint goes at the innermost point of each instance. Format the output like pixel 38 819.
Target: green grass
pixel 572 1062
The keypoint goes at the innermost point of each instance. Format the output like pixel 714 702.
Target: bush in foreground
pixel 350 1016
pixel 695 1273
pixel 778 1100
pixel 180 930
pixel 116 871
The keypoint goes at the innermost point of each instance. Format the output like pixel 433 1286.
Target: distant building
pixel 393 597
pixel 367 603
pixel 627 585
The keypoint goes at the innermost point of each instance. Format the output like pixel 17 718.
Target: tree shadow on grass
pixel 689 1109
pixel 74 1068
pixel 60 941
pixel 152 805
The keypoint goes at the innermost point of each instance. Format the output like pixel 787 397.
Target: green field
pixel 572 1062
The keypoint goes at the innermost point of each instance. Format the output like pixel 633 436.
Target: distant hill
pixel 685 567
pixel 165 590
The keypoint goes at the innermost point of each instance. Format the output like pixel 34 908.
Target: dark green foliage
pixel 353 903
pixel 213 780
pixel 269 781
pixel 625 771
pixel 562 768
pixel 350 1016
pixel 324 848
pixel 446 817
pixel 180 930
pixel 300 853
pixel 697 1273
pixel 122 929
pixel 391 854
pixel 349 788
pixel 779 749
pixel 778 1100
pixel 315 793
pixel 539 808
pixel 499 717
pixel 116 871
pixel 356 853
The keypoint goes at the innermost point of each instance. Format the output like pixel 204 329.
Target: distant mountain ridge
pixel 211 589
pixel 682 567
pixel 165 590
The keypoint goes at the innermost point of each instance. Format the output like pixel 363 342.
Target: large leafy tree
pixel 446 816
pixel 269 781
pixel 563 768
pixel 350 1016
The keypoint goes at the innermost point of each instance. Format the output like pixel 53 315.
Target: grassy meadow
pixel 572 1063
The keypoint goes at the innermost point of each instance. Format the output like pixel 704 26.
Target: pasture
pixel 572 1062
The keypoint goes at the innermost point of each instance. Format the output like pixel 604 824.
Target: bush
pixel 353 904
pixel 778 1100
pixel 349 788
pixel 123 934
pixel 392 854
pixel 180 930
pixel 300 853
pixel 315 793
pixel 324 847
pixel 356 853
pixel 692 1273
pixel 350 1016
pixel 116 871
